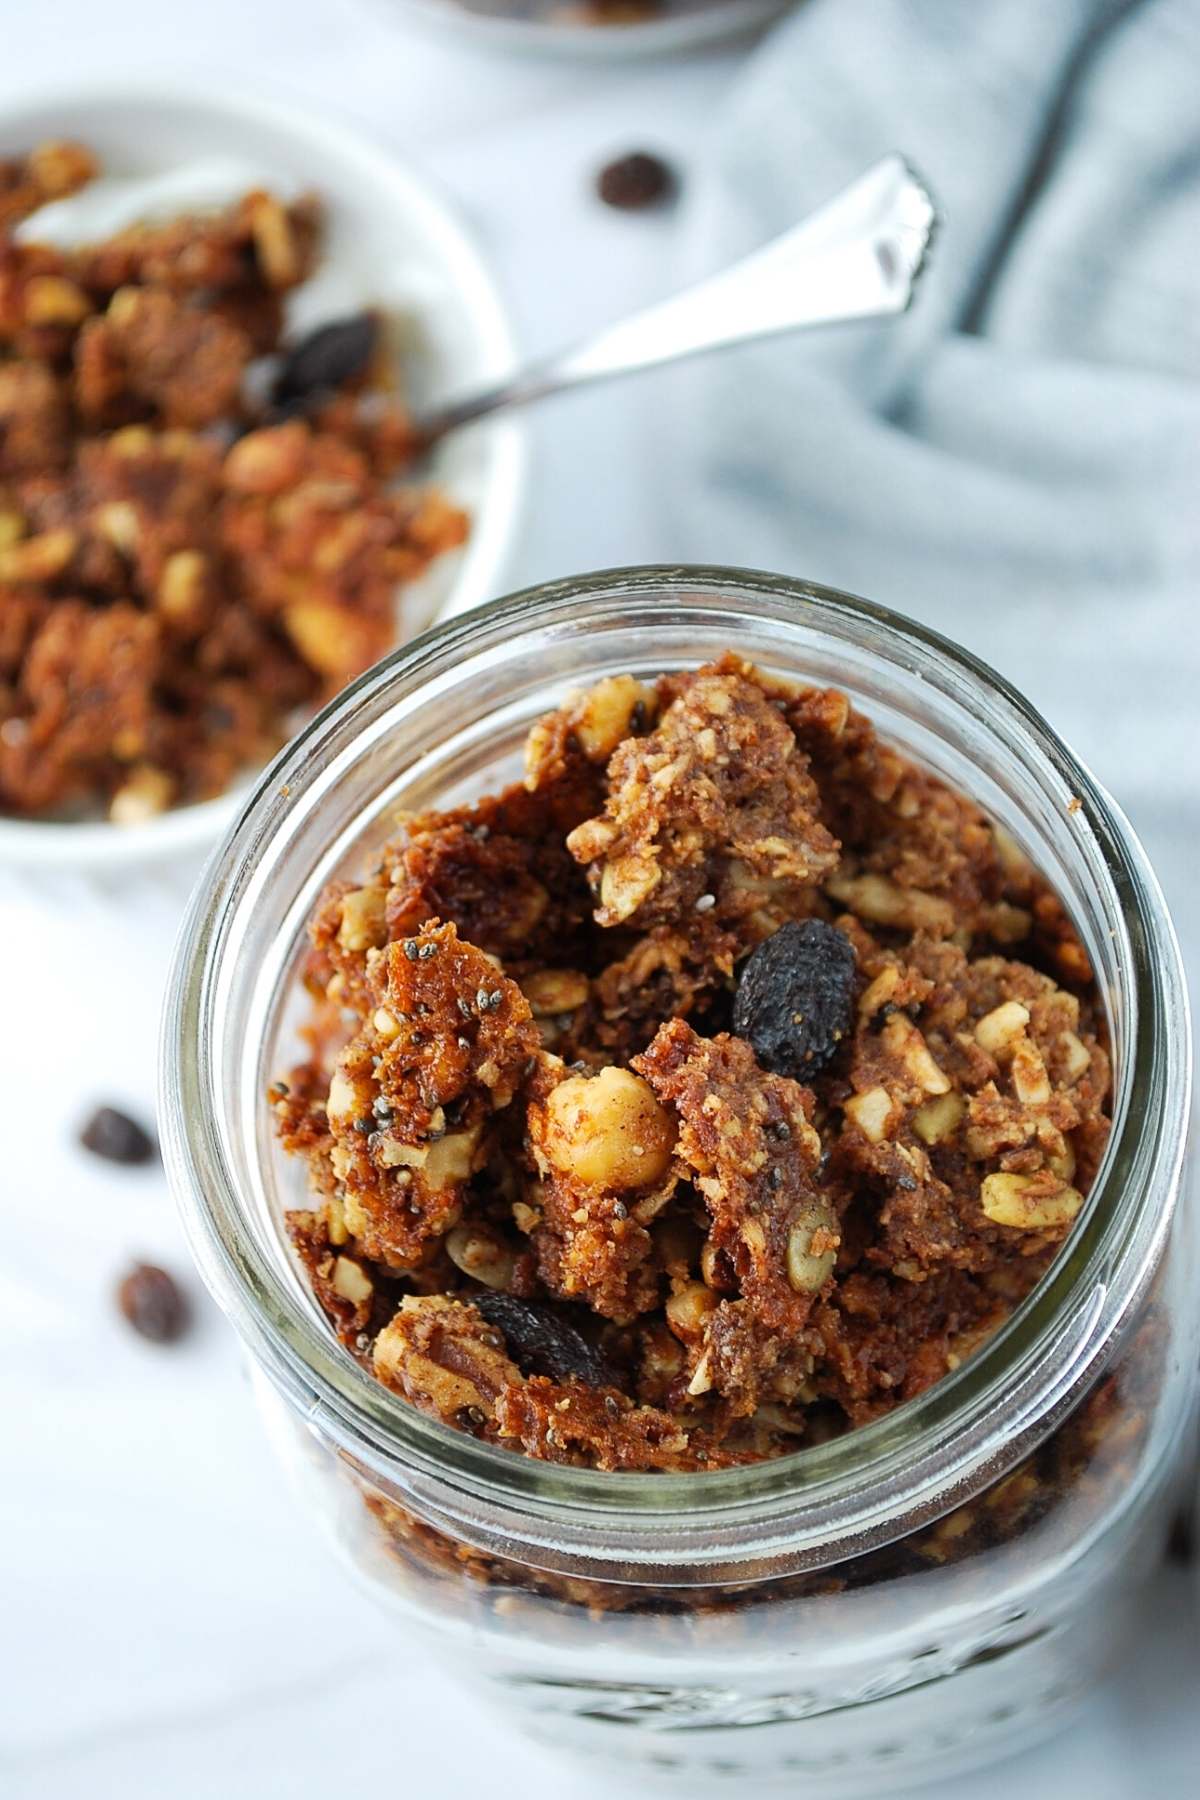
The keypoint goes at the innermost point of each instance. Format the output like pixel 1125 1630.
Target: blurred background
pixel 1016 464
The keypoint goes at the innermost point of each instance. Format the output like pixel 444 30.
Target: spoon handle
pixel 856 257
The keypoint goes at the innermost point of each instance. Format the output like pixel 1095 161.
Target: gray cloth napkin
pixel 1016 462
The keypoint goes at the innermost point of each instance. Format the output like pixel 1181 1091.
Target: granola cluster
pixel 572 1191
pixel 201 530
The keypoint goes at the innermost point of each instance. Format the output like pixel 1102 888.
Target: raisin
pixel 1181 1543
pixel 635 181
pixel 795 998
pixel 117 1138
pixel 153 1304
pixel 333 354
pixel 542 1342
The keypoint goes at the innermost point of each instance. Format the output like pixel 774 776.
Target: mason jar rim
pixel 817 1503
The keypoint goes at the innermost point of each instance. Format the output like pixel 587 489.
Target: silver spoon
pixel 856 257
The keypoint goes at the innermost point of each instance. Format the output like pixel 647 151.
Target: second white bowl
pixel 391 240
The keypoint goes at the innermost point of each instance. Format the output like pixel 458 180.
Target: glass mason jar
pixel 920 1595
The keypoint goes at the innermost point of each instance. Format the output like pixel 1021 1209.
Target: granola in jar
pixel 711 1092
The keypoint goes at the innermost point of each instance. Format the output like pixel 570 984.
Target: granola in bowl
pixel 204 521
pixel 709 1093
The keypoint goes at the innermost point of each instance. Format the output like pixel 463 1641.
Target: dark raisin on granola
pixel 633 182
pixel 116 1137
pixel 542 1342
pixel 795 998
pixel 333 354
pixel 153 1303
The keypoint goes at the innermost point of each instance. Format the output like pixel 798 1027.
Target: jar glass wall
pixel 921 1594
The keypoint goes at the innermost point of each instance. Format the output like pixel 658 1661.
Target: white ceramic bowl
pixel 391 239
pixel 716 22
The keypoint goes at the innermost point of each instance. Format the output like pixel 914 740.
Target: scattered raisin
pixel 153 1304
pixel 326 358
pixel 118 1138
pixel 636 181
pixel 795 998
pixel 542 1342
pixel 1181 1543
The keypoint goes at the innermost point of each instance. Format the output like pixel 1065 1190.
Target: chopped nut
pixel 1007 924
pixel 939 1119
pixel 998 1030
pixel 342 1102
pixel 363 919
pixel 52 300
pixel 385 1023
pixel 1013 859
pixel 870 1112
pixel 812 1250
pixel 481 1255
pixel 526 1218
pixel 1060 1159
pixel 267 461
pixel 131 441
pixel 351 1281
pixel 182 586
pixel 274 241
pixel 1031 1083
pixel 687 1310
pixel 38 558
pixel 715 1267
pixel 606 712
pixel 550 991
pixel 626 883
pixel 60 167
pixel 1077 1057
pixel 147 793
pixel 326 636
pixel 451 1159
pixel 1029 1202
pixel 118 523
pixel 701 1382
pixel 877 993
pixel 903 1039
pixel 880 900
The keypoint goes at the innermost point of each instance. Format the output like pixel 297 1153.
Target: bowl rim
pixel 99 844
pixel 722 22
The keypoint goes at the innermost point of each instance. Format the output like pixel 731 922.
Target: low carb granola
pixel 202 531
pixel 713 1091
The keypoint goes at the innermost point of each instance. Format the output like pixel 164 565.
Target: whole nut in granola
pixel 609 1130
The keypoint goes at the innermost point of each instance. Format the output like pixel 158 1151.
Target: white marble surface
pixel 170 1623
